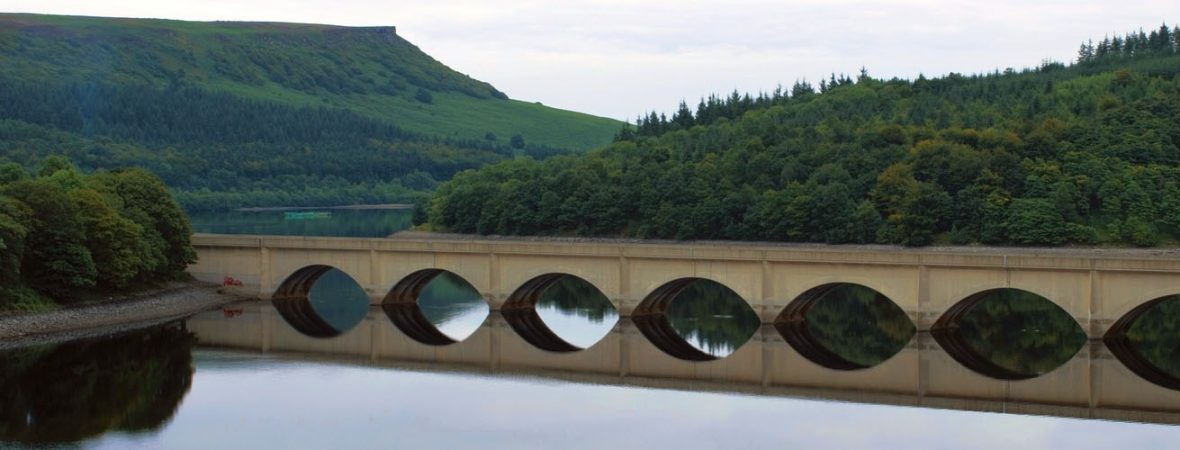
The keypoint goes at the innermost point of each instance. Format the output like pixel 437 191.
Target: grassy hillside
pixel 261 114
pixel 1086 153
pixel 369 70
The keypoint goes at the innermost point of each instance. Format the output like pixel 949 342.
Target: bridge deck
pixel 1096 287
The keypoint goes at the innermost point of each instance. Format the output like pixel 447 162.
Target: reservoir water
pixel 559 368
pixel 242 377
pixel 373 222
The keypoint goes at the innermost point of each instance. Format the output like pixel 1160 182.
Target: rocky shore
pixel 171 302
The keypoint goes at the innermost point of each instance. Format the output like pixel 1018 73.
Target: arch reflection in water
pixel 560 313
pixel 696 319
pixel 1009 334
pixel 436 307
pixel 321 301
pixel 1147 340
pixel 1097 386
pixel 845 326
pixel 68 392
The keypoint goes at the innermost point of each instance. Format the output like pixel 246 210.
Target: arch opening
pixel 1009 334
pixel 321 301
pixel 435 307
pixel 1147 341
pixel 560 313
pixel 845 326
pixel 696 319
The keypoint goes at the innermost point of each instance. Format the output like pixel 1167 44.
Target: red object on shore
pixel 231 313
pixel 230 281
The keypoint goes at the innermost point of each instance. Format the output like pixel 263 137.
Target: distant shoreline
pixel 350 207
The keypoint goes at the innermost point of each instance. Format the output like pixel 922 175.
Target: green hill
pixel 1085 153
pixel 268 112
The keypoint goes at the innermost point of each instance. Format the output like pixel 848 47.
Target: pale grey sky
pixel 620 58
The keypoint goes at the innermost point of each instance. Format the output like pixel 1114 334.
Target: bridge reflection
pixel 1092 384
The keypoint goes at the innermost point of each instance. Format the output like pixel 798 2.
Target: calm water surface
pixel 336 222
pixel 200 385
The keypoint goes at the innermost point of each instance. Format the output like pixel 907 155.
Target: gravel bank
pixel 174 301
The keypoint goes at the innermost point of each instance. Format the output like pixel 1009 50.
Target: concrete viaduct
pixel 1096 288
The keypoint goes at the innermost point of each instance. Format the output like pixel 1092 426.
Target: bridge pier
pixel 375 297
pixel 495 300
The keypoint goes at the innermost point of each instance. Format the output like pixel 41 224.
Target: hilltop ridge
pixel 261 114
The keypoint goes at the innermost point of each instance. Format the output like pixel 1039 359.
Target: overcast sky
pixel 620 58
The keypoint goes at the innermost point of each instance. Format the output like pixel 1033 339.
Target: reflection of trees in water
pixel 338 300
pixel 713 316
pixel 132 382
pixel 859 324
pixel 1156 336
pixel 1021 332
pixel 448 296
pixel 574 296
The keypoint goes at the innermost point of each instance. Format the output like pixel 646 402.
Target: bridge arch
pixel 650 317
pixel 946 331
pixel 793 325
pixel 286 264
pixel 521 314
pixel 1144 303
pixel 980 293
pixel 784 281
pixel 1128 312
pixel 401 305
pixel 391 270
pixel 520 272
pixel 1121 346
pixel 293 302
pixel 948 288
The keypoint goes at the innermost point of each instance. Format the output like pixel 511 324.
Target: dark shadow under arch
pixel 946 332
pixel 292 302
pixel 520 311
pixel 401 306
pixel 1125 351
pixel 791 323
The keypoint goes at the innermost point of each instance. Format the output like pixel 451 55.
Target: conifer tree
pixel 683 117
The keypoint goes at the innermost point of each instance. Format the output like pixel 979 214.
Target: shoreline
pixel 140 310
pixel 340 207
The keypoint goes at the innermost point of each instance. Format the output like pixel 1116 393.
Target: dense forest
pixel 64 234
pixel 1084 153
pixel 258 114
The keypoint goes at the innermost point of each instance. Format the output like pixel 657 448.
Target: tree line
pixel 220 151
pixel 1159 41
pixel 1085 154
pixel 64 233
pixel 1162 41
